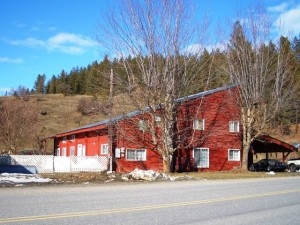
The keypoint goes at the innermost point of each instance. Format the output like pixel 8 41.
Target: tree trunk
pixel 247 124
pixel 166 166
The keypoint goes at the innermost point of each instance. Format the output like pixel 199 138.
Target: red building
pixel 207 136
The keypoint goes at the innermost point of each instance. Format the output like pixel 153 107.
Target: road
pixel 273 201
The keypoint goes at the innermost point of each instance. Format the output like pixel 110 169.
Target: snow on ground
pixel 19 179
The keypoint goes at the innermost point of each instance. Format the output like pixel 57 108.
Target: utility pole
pixel 110 127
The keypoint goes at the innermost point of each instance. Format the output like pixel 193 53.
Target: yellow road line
pixel 140 208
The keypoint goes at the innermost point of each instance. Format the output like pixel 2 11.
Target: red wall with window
pixel 217 110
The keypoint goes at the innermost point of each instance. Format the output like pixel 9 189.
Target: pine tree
pixel 39 84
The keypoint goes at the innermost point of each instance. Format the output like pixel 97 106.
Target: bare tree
pixel 264 72
pixel 18 119
pixel 164 43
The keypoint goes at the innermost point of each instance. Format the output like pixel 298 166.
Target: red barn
pixel 207 136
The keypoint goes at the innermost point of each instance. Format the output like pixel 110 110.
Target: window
pixel 72 138
pixel 64 139
pixel 143 125
pixel 64 152
pixel 234 126
pixel 157 120
pixel 72 150
pixel 198 124
pixel 136 154
pixel 233 155
pixel 201 156
pixel 104 149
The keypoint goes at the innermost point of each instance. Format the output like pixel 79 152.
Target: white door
pixel 81 150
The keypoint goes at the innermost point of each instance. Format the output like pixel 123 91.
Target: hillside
pixel 57 113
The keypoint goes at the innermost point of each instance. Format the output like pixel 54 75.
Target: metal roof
pixel 134 113
pixel 266 143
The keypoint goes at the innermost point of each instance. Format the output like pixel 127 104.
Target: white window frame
pixel 58 152
pixel 72 137
pixel 72 150
pixel 64 151
pixel 143 125
pixel 234 126
pixel 158 120
pixel 235 155
pixel 137 155
pixel 64 139
pixel 198 124
pixel 104 149
pixel 204 163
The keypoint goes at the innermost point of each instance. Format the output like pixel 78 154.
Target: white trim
pixel 236 156
pixel 157 118
pixel 234 126
pixel 143 125
pixel 104 149
pixel 72 150
pixel 64 151
pixel 198 124
pixel 139 154
pixel 205 162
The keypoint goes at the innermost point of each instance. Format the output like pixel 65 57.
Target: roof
pixel 134 113
pixel 268 144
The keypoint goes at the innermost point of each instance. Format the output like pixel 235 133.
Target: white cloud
pixel 288 18
pixel 62 42
pixel 10 60
pixel 278 8
pixel 291 19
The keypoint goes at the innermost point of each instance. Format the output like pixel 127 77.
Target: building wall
pixel 217 110
pixel 129 138
pixel 86 143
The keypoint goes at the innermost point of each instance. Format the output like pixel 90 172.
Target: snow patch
pixel 271 173
pixel 151 175
pixel 19 179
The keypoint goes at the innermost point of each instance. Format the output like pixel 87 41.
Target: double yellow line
pixel 139 208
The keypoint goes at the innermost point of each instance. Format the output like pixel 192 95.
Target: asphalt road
pixel 271 201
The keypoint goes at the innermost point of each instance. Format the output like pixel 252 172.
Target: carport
pixel 267 144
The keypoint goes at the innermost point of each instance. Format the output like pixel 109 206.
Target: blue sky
pixel 48 36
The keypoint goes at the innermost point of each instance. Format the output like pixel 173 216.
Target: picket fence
pixel 57 164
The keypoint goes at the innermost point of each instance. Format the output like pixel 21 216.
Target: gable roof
pixel 103 123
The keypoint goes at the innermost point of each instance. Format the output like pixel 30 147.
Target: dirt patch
pixel 103 177
pixel 82 177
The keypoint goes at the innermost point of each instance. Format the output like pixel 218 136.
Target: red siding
pixel 91 141
pixel 217 109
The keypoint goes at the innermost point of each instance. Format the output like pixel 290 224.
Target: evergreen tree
pixel 39 84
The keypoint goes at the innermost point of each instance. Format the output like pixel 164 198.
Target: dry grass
pixel 57 113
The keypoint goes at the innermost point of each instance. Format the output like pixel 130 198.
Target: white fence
pixel 56 164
